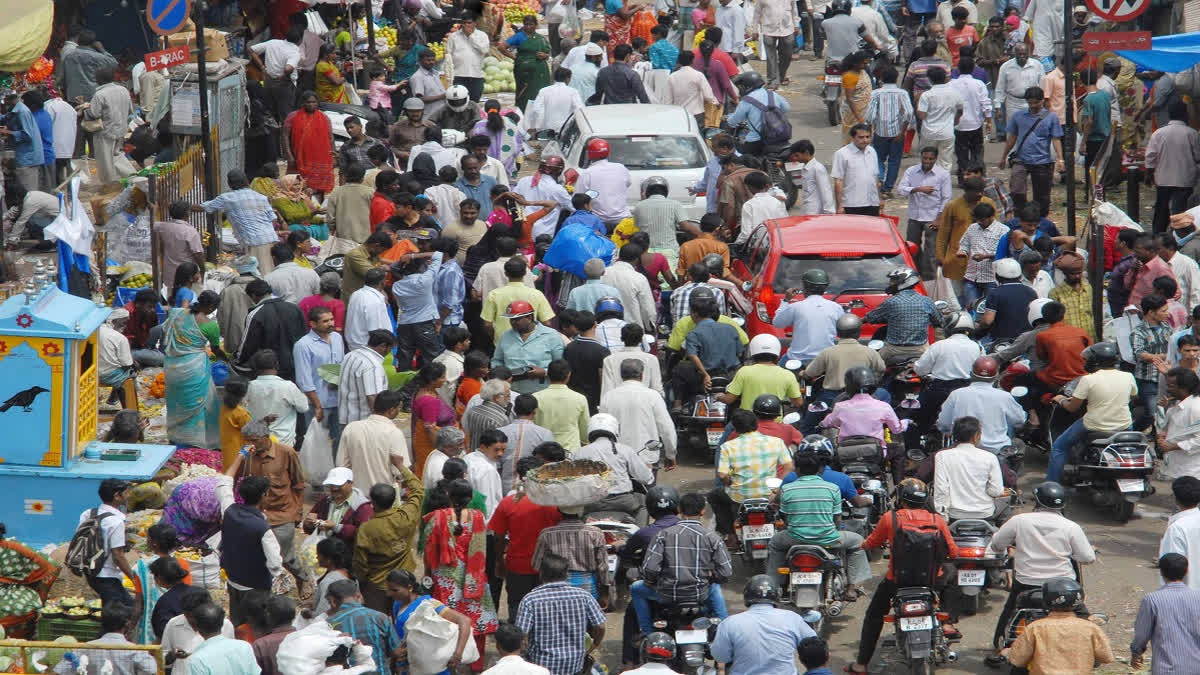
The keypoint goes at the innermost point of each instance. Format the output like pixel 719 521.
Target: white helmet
pixel 603 423
pixel 1035 310
pixel 963 323
pixel 1007 268
pixel 458 98
pixel 765 343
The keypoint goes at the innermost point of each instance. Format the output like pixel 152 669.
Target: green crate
pixel 52 627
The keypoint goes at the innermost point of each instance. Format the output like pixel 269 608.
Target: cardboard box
pixel 214 43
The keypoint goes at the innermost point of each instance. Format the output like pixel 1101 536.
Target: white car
pixel 650 140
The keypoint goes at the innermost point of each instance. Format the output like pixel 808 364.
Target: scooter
pixel 919 638
pixel 693 631
pixel 617 527
pixel 978 569
pixel 1114 469
pixel 861 458
pixel 755 524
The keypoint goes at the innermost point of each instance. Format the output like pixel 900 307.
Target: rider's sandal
pixel 995 660
pixel 850 669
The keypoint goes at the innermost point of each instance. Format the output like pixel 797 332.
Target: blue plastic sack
pixel 220 373
pixel 574 245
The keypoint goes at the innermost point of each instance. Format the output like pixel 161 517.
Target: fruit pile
pixel 385 32
pixel 138 281
pixel 498 75
pixel 438 49
pixel 516 10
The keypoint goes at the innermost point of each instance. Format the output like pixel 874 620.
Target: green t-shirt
pixel 757 379
pixel 1097 106
pixel 809 506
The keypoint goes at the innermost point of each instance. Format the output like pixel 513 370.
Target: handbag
pixel 1012 156
pixel 91 126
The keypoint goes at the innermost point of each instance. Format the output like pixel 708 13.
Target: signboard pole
pixel 1068 142
pixel 210 190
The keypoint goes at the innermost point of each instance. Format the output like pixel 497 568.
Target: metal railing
pixel 184 180
pixel 24 647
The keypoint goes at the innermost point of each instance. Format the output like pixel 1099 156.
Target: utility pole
pixel 210 188
pixel 1068 141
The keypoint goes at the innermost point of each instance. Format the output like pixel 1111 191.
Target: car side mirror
pixel 913 249
pixel 546 135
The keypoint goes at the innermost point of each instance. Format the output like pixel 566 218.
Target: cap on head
pixel 1007 268
pixel 414 103
pixel 339 476
pixel 593 49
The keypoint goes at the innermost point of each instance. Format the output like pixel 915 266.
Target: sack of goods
pixel 568 484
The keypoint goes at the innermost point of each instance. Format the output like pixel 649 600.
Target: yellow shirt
pixel 757 379
pixel 564 413
pixel 686 324
pixel 496 304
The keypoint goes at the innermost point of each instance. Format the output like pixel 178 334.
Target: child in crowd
pixel 379 94
pixel 233 417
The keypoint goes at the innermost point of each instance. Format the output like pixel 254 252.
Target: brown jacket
pixel 733 193
pixel 952 225
pixel 285 497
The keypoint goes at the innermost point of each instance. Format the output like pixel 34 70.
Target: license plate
pixel 908 623
pixel 714 437
pixel 971 577
pixel 833 79
pixel 758 531
pixel 806 578
pixel 691 637
pixel 1130 484
pixel 612 563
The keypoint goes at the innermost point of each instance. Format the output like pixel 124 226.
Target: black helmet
pixel 715 264
pixel 748 82
pixel 839 7
pixel 1101 355
pixel 662 499
pixel 760 588
pixel 768 406
pixel 912 491
pixel 860 379
pixel 658 648
pixel 815 281
pixel 1061 594
pixel 1050 495
pixel 818 445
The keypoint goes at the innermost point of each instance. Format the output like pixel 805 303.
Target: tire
pixel 835 113
pixel 791 191
pixel 919 667
pixel 1123 510
pixel 971 604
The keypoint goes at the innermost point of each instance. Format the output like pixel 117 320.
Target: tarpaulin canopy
pixel 24 32
pixel 1170 53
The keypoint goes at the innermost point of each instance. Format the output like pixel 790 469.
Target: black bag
pixel 776 129
pixel 917 553
pixel 87 551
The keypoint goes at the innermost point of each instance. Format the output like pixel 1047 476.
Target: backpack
pixel 776 129
pixel 87 551
pixel 917 552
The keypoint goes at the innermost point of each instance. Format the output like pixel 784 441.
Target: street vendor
pixel 341 511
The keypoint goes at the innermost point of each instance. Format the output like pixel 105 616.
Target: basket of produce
pixel 572 483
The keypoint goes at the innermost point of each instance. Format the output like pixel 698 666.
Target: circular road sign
pixel 167 16
pixel 1118 10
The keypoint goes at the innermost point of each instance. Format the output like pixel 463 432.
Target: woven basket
pixel 591 485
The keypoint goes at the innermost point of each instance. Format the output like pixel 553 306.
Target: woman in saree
pixel 856 92
pixel 308 144
pixel 530 62
pixel 429 413
pixel 456 559
pixel 331 86
pixel 296 208
pixel 193 511
pixel 618 23
pixel 266 183
pixel 507 140
pixel 404 55
pixel 406 598
pixel 162 540
pixel 192 407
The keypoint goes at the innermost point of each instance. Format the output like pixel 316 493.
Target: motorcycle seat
pixel 827 552
pixel 1030 598
pixel 1103 438
pixel 913 593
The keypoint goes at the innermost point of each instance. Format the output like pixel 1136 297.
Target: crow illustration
pixel 23 399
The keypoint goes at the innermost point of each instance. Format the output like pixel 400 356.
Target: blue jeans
pixel 641 594
pixel 1062 449
pixel 974 290
pixel 1148 395
pixel 889 151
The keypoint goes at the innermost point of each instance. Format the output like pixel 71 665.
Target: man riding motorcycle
pixel 908 316
pixel 1046 544
pixel 763 639
pixel 735 300
pixel 658 649
pixel 610 319
pixel 864 415
pixel 1107 391
pixel 967 479
pixel 844 33
pixel 1059 348
pixel 625 466
pixel 743 466
pixel 947 367
pixel 813 320
pixel 767 408
pixel 712 348
pixel 662 503
pixel 833 362
pixel 762 376
pixel 811 509
pixel 1024 345
pixel 822 449
pixel 1007 303
pixel 997 411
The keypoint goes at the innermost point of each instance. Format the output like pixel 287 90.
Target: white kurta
pixel 1186 460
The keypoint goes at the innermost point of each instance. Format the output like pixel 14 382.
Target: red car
pixel 856 252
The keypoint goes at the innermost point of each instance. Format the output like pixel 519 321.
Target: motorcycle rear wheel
pixel 835 113
pixel 1123 510
pixel 920 667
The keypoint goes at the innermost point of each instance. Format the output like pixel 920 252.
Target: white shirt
pixel 940 104
pixel 1013 80
pixel 430 9
pixel 553 105
pixel 949 359
pixel 35 202
pixel 277 56
pixel 612 181
pixel 925 207
pixel 453 361
pixel 635 294
pixel 947 20
pixel 446 200
pixel 1186 460
pixel 1045 19
pixel 977 106
pixel 610 377
pixel 547 189
pixel 273 395
pixel 643 415
pixel 1187 274
pixel 366 311
pixel 428 82
pixel 64 117
pixel 731 19
pixel 113 350
pixel 965 480
pixel 758 210
pixel 775 18
pixel 818 191
pixel 859 172
pixel 177 634
pixel 362 376
pixel 1183 537
pixel 466 52
pixel 485 478
pixel 368 446
pixel 1042 283
pixel 689 89
pixel 434 462
pixel 491 276
pixel 113 529
pixel 1046 543
pixel 495 169
pixel 292 282
pixel 513 664
pixel 441 156
pixel 577 56
pixel 651 669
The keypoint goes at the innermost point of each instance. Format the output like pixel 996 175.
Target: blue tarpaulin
pixel 1170 54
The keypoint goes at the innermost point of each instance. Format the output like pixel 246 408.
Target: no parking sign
pixel 1118 10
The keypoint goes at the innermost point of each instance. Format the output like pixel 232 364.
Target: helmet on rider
pixel 860 380
pixel 658 647
pixel 760 588
pixel 767 406
pixel 1035 310
pixel 597 148
pixel 655 182
pixel 985 368
pixel 1101 355
pixel 1050 495
pixel 902 278
pixel 1061 595
pixel 458 98
pixel 748 82
pixel 765 344
pixel 849 326
pixel 1007 268
pixel 960 322
pixel 609 307
pixel 715 264
pixel 912 491
pixel 551 165
pixel 818 445
pixel 661 500
pixel 839 7
pixel 603 424
pixel 815 281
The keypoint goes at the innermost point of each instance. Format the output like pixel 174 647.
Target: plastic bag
pixel 137 241
pixel 316 24
pixel 306 555
pixel 431 642
pixel 574 245
pixel 944 290
pixel 304 651
pixel 316 453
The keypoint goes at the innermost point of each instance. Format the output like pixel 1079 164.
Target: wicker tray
pixel 573 483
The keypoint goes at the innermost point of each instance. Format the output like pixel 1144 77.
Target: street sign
pixel 1134 40
pixel 1118 10
pixel 167 16
pixel 168 57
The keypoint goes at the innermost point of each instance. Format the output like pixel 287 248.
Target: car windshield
pixel 644 153
pixel 861 274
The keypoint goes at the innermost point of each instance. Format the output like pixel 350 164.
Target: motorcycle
pixel 816 582
pixel 701 421
pixel 755 524
pixel 918 623
pixel 788 182
pixel 832 92
pixel 1029 608
pixel 693 631
pixel 861 458
pixel 1114 469
pixel 617 527
pixel 978 569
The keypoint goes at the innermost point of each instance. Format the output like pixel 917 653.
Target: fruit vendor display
pixel 138 281
pixel 498 75
pixel 516 10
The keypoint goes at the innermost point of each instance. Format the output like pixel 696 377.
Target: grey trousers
pixel 632 503
pixel 105 152
pixel 29 177
pixel 779 56
pixel 285 534
pixel 925 237
pixel 858 568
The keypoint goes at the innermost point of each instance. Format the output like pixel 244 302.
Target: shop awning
pixel 1170 53
pixel 24 32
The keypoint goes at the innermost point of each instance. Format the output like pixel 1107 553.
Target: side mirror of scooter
pixel 876 344
pixel 793 364
pixel 772 484
pixel 791 418
pixel 747 286
pixel 740 321
pixel 1019 392
pixel 818 407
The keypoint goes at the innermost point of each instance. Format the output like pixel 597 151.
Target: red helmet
pixel 985 368
pixel 597 148
pixel 518 308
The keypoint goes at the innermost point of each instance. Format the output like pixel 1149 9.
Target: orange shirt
pixel 467 390
pixel 1061 347
pixel 882 534
pixel 957 39
pixel 382 208
pixel 232 422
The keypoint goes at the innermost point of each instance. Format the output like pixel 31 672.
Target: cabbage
pixel 490 61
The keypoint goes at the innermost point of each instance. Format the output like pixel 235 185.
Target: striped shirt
pixel 1169 619
pixel 362 376
pixel 810 506
pixel 581 544
pixel 250 213
pixel 658 216
pixel 684 559
pixel 555 617
pixel 889 110
pixel 680 299
pixel 483 417
pixel 976 240
pixel 369 627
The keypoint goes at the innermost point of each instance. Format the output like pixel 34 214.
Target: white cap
pixel 339 476
pixel 1007 268
pixel 593 49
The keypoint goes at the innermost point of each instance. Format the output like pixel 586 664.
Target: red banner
pixel 1110 42
pixel 168 57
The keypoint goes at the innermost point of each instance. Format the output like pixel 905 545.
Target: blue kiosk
pixel 51 464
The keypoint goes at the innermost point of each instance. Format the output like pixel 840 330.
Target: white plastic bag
pixel 304 651
pixel 315 23
pixel 353 95
pixel 944 290
pixel 431 642
pixel 316 453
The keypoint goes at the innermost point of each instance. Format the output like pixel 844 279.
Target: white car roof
pixel 636 119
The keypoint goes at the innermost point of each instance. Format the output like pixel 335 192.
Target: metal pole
pixel 370 35
pixel 1068 142
pixel 210 188
pixel 1096 265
